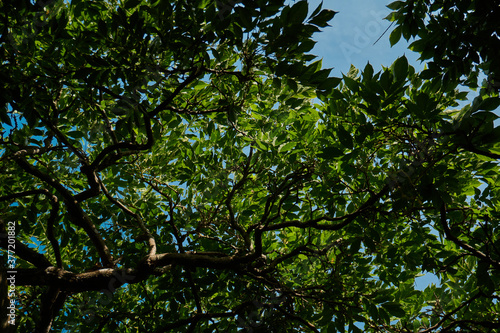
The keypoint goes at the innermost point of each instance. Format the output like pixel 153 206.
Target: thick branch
pixel 52 302
pixel 75 212
pixel 54 212
pixel 93 181
pixel 23 251
pixel 112 278
pixel 26 253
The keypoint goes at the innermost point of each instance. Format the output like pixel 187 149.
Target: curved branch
pixel 93 181
pixel 52 301
pixel 50 227
pixel 75 212
pixel 478 151
pixel 449 314
pixel 197 72
pixel 137 217
pixel 475 252
pixel 26 253
pixel 97 164
pixel 346 219
pixel 112 278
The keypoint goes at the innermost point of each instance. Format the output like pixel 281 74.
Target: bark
pixel 109 279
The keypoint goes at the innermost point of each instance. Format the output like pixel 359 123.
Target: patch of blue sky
pixel 359 34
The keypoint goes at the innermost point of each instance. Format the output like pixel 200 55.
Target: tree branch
pixel 346 219
pixel 137 217
pixel 51 302
pixel 75 212
pixel 23 251
pixel 449 314
pixel 112 278
pixel 461 244
pixel 163 106
pixel 478 151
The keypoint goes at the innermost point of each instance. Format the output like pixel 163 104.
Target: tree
pixel 187 166
pixel 460 38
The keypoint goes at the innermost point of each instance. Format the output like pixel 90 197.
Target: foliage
pixel 460 38
pixel 187 166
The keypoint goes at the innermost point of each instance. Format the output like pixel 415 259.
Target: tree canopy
pixel 189 166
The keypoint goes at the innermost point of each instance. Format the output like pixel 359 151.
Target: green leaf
pixel 30 116
pixel 400 68
pixel 298 12
pixel 368 72
pixel 132 3
pixel 345 137
pixel 261 145
pixel 395 36
pixel 75 134
pixel 318 8
pixel 352 84
pixel 490 104
pixel 286 147
pixel 322 19
pixel 395 5
pixel 330 152
pixel 394 309
pixel 4 117
pixel 244 16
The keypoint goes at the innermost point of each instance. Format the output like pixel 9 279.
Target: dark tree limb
pixel 112 278
pixel 26 253
pixel 197 72
pixel 23 251
pixel 475 252
pixel 93 182
pixel 346 219
pixel 52 301
pixel 54 212
pixel 478 151
pixel 50 223
pixel 75 212
pixel 98 165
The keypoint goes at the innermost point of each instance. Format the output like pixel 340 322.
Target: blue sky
pixel 353 31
